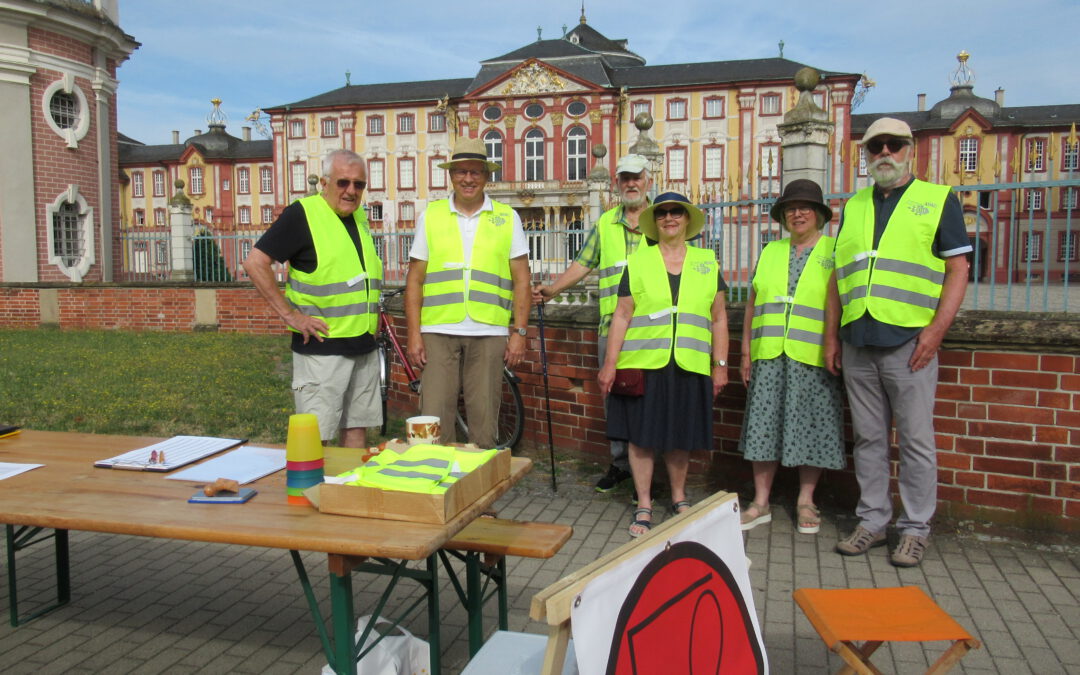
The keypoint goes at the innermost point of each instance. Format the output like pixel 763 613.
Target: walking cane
pixel 547 395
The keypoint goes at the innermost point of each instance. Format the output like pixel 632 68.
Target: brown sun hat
pixel 801 190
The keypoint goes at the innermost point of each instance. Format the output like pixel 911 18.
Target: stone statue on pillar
pixel 182 228
pixel 805 133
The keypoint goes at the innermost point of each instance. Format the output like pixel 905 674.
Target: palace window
pixel 438 176
pixel 534 155
pixel 406 123
pixel 374 125
pixel 1036 154
pixel 375 212
pixel 70 237
pixel 159 217
pixel 158 178
pixel 969 155
pixel 407 173
pixel 436 122
pixel 1069 246
pixel 195 183
pixel 137 184
pixel 1070 155
pixel 267 215
pixel 714 162
pixel 492 113
pixel 1068 198
pixel 298 176
pixel 406 214
pixel 140 217
pixel 770 104
pixel 576 108
pixel 243 180
pixel 714 107
pixel 534 111
pixel 1032 247
pixel 376 174
pixel 1034 200
pixel 577 151
pixel 66 110
pixel 493 145
pixel 209 214
pixel 266 179
pixel 676 109
pixel 638 107
pixel 676 163
pixel 329 127
pixel 296 128
pixel 244 215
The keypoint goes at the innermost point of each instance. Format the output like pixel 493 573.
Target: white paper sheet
pixel 242 465
pixel 7 469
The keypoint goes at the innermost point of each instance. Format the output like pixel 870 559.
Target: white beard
pixel 887 172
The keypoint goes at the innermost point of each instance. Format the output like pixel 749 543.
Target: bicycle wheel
pixel 511 414
pixel 383 350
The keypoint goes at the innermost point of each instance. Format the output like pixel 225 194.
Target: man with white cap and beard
pixel 610 241
pixel 901 273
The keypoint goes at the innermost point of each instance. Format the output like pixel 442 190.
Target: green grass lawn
pixel 158 384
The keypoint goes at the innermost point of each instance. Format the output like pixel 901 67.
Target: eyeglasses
pixel 792 210
pixel 344 183
pixel 876 145
pixel 674 211
pixel 461 173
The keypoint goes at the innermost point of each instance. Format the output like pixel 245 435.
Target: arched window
pixel 534 155
pixel 493 144
pixel 577 152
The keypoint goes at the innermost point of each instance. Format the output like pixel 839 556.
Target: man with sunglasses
pixel 468 282
pixel 330 300
pixel 901 272
pixel 610 241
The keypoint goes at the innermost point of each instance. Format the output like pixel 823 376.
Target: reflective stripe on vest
pixel 613 254
pixel 420 468
pixel 341 291
pixel 792 325
pixel 900 282
pixel 486 276
pixel 648 343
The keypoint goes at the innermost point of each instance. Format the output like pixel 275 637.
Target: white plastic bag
pixel 403 654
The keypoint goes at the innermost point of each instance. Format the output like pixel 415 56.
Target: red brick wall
pixel 1007 421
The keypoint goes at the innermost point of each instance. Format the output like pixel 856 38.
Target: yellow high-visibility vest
pixel 341 290
pixel 613 254
pixel 900 282
pixel 648 343
pixel 490 286
pixel 792 325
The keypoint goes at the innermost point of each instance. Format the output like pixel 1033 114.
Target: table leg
pixel 24 537
pixel 434 638
pixel 343 618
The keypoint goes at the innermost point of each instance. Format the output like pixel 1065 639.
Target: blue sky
pixel 270 52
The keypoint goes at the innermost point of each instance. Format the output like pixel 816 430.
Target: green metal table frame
pixel 21 537
pixel 476 592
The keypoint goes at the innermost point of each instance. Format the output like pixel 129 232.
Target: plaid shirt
pixel 589 254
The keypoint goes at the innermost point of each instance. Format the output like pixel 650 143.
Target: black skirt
pixel 676 412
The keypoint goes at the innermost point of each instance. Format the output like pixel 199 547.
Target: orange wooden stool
pixel 877 615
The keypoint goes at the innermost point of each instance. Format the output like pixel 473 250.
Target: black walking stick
pixel 547 395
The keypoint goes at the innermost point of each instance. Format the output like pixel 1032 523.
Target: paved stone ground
pixel 151 606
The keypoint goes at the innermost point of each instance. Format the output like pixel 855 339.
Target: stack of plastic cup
pixel 303 457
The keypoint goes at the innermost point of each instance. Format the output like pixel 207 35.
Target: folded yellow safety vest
pixel 423 468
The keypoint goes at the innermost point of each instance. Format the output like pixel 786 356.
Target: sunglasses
pixel 876 145
pixel 675 211
pixel 344 183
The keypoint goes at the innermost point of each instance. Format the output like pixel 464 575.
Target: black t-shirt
pixel 289 239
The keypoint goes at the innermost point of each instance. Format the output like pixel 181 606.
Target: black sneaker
pixel 613 477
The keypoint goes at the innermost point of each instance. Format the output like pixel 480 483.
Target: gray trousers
pixel 882 391
pixel 620 454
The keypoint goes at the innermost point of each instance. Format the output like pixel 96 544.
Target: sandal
pixel 754 515
pixel 679 506
pixel 643 526
pixel 809 518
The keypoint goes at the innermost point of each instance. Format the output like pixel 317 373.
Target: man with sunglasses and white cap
pixel 468 282
pixel 330 301
pixel 901 272
pixel 610 241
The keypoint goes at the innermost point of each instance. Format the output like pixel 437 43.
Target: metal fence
pixel 1025 236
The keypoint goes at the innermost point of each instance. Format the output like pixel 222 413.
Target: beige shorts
pixel 341 391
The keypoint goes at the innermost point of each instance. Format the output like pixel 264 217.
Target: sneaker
pixel 613 477
pixel 860 541
pixel 909 552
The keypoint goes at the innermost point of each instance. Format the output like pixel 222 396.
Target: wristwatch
pixel 522 331
pixel 719 362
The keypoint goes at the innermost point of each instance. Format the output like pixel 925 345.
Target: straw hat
pixel 470 150
pixel 647 223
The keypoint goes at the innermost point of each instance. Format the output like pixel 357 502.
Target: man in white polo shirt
pixel 468 281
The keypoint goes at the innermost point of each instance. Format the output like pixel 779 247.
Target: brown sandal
pixel 809 518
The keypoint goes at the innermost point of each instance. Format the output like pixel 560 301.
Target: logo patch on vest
pixel 921 209
pixel 826 261
pixel 704 267
pixel 498 221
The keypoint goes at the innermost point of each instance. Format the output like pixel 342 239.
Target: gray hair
pixel 348 157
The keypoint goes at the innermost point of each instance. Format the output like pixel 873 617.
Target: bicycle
pixel 511 411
